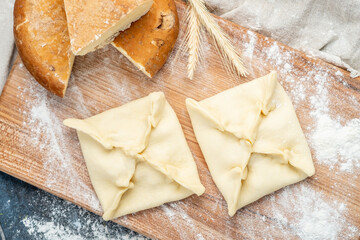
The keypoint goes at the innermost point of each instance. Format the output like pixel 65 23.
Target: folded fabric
pixel 7 39
pixel 323 28
pixel 251 140
pixel 137 156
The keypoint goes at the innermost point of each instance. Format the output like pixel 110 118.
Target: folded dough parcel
pixel 137 156
pixel 251 139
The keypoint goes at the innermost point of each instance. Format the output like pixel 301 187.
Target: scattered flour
pixel 50 226
pixel 51 231
pixel 250 45
pixel 47 130
pixel 175 211
pixel 335 142
pixel 173 216
pixel 315 218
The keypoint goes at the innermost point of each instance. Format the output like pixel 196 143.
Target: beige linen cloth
pixel 328 29
pixel 6 39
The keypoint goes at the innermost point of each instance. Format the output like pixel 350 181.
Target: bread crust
pixel 93 22
pixel 150 40
pixel 42 39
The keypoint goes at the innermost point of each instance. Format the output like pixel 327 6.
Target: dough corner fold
pixel 252 141
pixel 137 156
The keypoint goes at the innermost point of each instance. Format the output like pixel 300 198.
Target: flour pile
pixel 315 218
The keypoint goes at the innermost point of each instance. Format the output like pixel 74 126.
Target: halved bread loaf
pixel 42 39
pixel 94 23
pixel 150 40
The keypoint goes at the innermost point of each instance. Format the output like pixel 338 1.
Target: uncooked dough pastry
pixel 137 156
pixel 251 140
pixel 94 23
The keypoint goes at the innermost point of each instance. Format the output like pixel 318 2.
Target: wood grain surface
pixel 36 148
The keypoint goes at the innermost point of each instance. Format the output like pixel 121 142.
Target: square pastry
pixel 137 156
pixel 251 140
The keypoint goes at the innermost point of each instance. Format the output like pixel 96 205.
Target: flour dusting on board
pixel 174 211
pixel 315 218
pixel 250 45
pixel 49 138
pixel 344 147
pixel 336 143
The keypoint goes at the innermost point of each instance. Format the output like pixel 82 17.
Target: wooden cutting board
pixel 35 147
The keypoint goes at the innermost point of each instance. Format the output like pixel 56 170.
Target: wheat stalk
pixel 228 54
pixel 193 41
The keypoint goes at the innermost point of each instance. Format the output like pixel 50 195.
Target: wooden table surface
pixel 35 147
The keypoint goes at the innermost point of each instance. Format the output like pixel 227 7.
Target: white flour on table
pixel 50 225
pixel 316 218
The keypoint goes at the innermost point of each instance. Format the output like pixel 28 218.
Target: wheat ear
pixel 228 54
pixel 193 41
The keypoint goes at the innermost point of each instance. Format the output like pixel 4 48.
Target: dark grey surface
pixel 30 213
